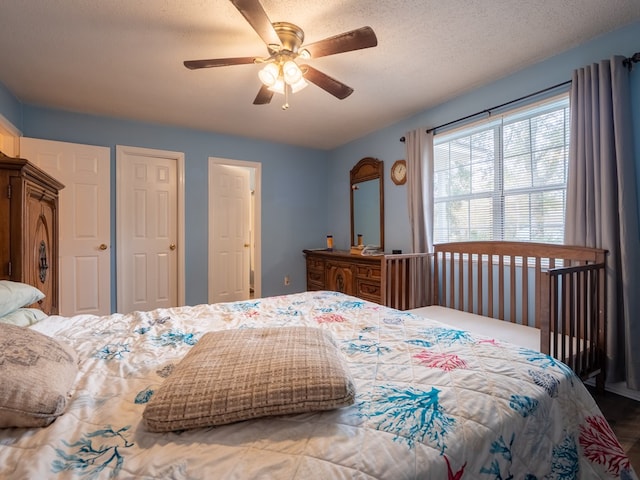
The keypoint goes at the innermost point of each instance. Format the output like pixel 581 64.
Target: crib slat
pixel 452 282
pixel 479 283
pixel 512 289
pixel 581 313
pixel 501 287
pixel 538 281
pixel 555 321
pixel 490 283
pixel 524 293
pixel 571 334
pixel 470 283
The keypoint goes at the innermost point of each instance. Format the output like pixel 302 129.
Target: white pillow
pixel 14 295
pixel 24 317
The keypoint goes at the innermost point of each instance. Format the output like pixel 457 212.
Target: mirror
pixel 367 202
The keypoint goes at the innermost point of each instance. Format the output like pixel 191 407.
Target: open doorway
pixel 234 230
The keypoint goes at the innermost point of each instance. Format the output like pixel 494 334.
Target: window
pixel 505 178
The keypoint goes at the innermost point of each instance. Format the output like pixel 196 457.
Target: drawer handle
pixel 44 265
pixel 369 288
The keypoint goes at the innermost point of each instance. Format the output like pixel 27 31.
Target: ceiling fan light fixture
pixel 284 42
pixel 304 54
pixel 291 72
pixel 299 85
pixel 278 86
pixel 269 75
pixel 280 83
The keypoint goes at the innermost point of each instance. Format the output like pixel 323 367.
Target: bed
pixel 431 402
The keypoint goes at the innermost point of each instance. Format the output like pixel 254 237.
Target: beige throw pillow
pixel 36 374
pixel 240 374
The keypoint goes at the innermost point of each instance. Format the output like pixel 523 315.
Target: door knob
pixel 247 245
pixel 103 246
pixel 172 246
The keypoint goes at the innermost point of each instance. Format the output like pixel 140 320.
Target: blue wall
pixel 385 144
pixel 305 192
pixel 294 184
pixel 10 107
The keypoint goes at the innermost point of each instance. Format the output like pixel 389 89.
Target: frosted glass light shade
pixel 299 85
pixel 291 72
pixel 278 86
pixel 269 74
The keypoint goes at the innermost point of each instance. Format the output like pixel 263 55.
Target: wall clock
pixel 399 172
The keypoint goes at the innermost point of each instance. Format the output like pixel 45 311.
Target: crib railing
pixel 573 326
pixel 559 289
pixel 407 281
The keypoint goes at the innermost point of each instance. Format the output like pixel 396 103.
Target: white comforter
pixel 432 403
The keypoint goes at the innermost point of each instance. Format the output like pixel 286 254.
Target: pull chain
pixel 287 87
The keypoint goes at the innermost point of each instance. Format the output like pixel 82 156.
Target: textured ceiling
pixel 123 58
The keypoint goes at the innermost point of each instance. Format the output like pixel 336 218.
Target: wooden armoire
pixel 29 228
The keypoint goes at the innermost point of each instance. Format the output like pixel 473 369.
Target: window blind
pixel 504 178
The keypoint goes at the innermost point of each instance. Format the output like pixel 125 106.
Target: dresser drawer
pixel 369 290
pixel 315 263
pixel 315 280
pixel 369 271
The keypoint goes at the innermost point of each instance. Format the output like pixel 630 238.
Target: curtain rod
pixel 627 62
pixel 488 110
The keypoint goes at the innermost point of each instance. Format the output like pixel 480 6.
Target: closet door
pixel 85 221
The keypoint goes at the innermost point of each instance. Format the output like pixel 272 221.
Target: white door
pixel 149 239
pixel 231 240
pixel 85 227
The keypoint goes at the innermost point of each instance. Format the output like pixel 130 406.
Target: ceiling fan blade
pixel 327 83
pixel 264 96
pixel 253 12
pixel 218 62
pixel 345 42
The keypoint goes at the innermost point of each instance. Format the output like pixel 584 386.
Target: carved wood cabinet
pixel 29 228
pixel 339 271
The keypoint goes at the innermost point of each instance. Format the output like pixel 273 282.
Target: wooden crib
pixel 558 289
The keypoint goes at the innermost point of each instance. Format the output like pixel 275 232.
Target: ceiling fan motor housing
pixel 291 36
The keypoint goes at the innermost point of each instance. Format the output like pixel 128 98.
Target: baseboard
pixel 619 388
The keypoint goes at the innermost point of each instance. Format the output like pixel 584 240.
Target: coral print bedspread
pixel 431 402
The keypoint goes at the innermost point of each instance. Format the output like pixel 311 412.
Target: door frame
pixel 9 137
pixel 122 150
pixel 257 223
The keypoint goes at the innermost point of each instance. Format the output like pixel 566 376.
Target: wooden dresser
pixel 339 271
pixel 29 228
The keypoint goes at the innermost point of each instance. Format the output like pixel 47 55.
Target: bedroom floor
pixel 623 414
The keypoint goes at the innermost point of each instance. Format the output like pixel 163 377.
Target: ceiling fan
pixel 284 40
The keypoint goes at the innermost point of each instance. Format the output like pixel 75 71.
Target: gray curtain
pixel 602 202
pixel 419 150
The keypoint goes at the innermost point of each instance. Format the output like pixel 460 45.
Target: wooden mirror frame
pixel 368 168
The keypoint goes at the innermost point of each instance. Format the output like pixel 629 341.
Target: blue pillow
pixel 14 295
